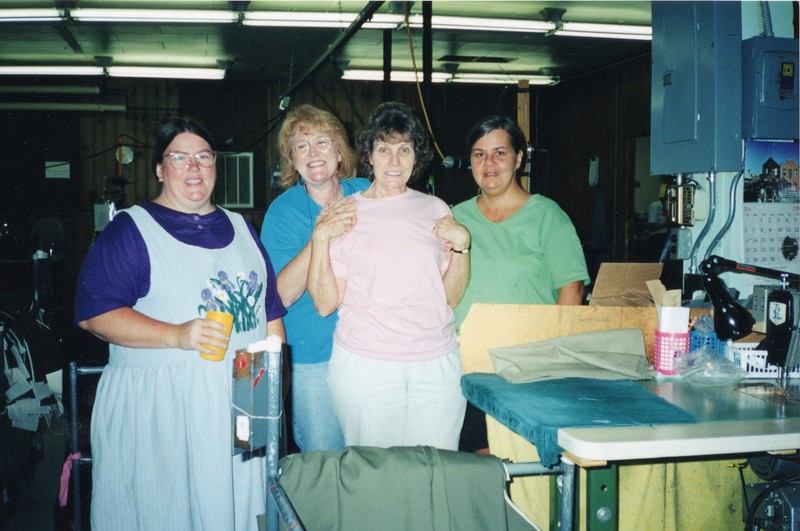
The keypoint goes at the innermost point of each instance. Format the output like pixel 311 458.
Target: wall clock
pixel 124 154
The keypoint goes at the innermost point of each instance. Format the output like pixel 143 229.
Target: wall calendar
pixel 771 209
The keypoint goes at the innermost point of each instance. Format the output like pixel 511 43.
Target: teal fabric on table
pixel 537 410
pixel 400 488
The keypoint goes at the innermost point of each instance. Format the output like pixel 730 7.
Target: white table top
pixel 730 421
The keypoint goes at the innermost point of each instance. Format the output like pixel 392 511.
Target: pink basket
pixel 667 346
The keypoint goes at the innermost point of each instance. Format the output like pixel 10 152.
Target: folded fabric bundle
pixel 608 355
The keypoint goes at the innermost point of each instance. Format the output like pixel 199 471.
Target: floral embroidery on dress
pixel 238 297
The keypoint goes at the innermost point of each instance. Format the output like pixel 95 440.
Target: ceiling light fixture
pixel 162 72
pixel 61 106
pixel 154 15
pixel 317 20
pixel 51 70
pixel 504 79
pixel 115 71
pixel 444 77
pixel 48 89
pixel 294 19
pixel 555 15
pixel 31 15
pixel 606 31
pixel 482 24
pixel 397 75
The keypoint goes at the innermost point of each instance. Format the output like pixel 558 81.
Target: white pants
pixel 395 403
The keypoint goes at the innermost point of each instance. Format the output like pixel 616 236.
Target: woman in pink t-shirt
pixel 395 276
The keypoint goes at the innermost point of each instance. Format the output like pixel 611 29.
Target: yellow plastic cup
pixel 226 320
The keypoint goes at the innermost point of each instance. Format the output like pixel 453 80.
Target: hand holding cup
pixel 226 320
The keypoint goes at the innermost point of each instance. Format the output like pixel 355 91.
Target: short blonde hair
pixel 307 117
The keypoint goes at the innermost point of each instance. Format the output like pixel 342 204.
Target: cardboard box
pixel 624 284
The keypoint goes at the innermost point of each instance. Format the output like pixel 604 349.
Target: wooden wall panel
pixel 594 115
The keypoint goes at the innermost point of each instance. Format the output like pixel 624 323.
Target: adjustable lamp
pixel 732 321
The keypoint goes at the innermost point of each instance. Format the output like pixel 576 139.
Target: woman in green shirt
pixel 525 249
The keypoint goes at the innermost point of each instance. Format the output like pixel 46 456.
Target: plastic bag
pixel 705 367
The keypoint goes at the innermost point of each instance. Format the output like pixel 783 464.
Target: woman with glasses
pixel 161 424
pixel 317 169
pixel 395 276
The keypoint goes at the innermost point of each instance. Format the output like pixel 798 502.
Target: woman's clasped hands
pixel 336 218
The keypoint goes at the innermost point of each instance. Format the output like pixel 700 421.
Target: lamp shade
pixel 731 320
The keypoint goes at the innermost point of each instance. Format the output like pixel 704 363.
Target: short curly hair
pixel 393 120
pixel 308 117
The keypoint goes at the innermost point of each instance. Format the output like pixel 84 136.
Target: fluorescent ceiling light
pixel 606 31
pixel 51 70
pixel 166 72
pixel 153 15
pixel 317 20
pixel 53 106
pixel 443 77
pixel 294 19
pixel 483 24
pixel 504 79
pixel 31 15
pixel 115 71
pixel 377 75
pixel 48 89
pixel 601 35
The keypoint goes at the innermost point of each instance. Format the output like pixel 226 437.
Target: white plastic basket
pixel 754 361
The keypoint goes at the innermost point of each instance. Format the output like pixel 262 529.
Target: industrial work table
pixel 729 422
pixel 747 419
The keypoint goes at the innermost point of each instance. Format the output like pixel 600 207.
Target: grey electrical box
pixel 769 88
pixel 680 244
pixel 696 111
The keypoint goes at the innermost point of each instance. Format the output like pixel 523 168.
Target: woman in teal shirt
pixel 317 169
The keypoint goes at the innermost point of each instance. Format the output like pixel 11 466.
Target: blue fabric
pixel 537 410
pixel 287 228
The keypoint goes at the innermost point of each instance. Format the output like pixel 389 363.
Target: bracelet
pixel 462 251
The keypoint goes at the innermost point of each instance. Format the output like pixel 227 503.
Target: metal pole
pixel 277 501
pixel 75 475
pixel 427 52
pixel 569 482
pixel 387 65
pixel 76 469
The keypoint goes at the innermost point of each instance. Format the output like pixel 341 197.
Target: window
pixel 234 188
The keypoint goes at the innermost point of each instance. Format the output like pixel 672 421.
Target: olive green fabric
pixel 401 488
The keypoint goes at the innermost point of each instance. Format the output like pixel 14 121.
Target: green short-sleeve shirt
pixel 523 259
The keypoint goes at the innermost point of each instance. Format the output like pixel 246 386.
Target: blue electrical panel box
pixel 769 89
pixel 696 94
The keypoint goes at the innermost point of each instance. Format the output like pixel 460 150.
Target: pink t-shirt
pixel 394 305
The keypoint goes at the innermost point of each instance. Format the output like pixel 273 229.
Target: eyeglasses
pixel 179 160
pixel 321 144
